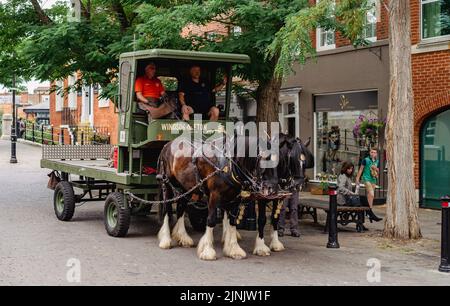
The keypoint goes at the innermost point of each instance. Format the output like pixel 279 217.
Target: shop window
pixel 435 159
pixel 336 140
pixel 435 18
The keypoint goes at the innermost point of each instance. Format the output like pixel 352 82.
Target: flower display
pixel 367 128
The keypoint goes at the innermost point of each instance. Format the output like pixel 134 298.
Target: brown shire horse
pixel 294 159
pixel 178 170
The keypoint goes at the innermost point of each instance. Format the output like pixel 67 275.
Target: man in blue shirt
pixel 196 96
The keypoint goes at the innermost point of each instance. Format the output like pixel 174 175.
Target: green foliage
pixel 16 18
pixel 293 42
pixel 259 21
pixel 274 33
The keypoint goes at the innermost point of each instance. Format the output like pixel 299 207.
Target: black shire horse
pixel 294 159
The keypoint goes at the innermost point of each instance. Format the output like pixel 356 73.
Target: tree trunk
pixel 40 12
pixel 268 97
pixel 402 209
pixel 121 15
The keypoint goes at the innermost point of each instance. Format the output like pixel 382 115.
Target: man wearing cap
pixel 149 91
pixel 195 96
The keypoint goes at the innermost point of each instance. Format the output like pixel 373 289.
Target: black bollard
pixel 332 221
pixel 445 246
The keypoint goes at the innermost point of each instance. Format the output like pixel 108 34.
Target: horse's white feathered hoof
pixel 235 251
pixel 231 247
pixel 261 249
pixel 165 242
pixel 277 247
pixel 207 254
pixel 239 236
pixel 276 244
pixel 180 235
pixel 186 242
pixel 205 249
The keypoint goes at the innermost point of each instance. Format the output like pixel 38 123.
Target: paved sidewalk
pixel 35 247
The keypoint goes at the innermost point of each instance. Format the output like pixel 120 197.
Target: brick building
pixel 431 82
pixel 325 97
pixel 81 114
pixel 23 100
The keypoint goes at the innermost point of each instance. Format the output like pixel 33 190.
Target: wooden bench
pixel 345 214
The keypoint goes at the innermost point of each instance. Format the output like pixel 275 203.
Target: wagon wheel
pixel 117 215
pixel 64 201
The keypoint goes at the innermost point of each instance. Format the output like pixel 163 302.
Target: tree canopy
pixel 47 45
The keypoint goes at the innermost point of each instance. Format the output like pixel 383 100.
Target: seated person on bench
pixel 346 196
pixel 195 96
pixel 149 91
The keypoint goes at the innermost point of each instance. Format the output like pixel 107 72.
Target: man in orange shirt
pixel 149 91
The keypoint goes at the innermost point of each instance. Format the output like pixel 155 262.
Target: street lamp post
pixel 14 127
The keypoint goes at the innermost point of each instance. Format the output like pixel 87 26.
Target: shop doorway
pixel 435 159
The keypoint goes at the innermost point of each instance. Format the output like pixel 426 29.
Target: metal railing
pixel 42 134
pixel 70 117
pixel 49 135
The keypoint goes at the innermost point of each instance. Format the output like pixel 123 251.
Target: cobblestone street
pixel 35 247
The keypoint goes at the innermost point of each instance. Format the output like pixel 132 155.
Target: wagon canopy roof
pixel 189 55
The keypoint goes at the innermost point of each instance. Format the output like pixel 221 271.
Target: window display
pixel 337 140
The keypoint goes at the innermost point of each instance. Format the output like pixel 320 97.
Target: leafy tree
pixel 91 46
pixel 19 20
pixel 13 29
pixel 56 47
pixel 266 35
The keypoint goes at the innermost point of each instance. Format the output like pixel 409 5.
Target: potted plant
pixel 324 182
pixel 366 131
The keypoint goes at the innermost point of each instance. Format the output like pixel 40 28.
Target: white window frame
pixel 236 30
pixel 284 116
pixel 102 103
pixel 59 99
pixel 45 98
pixel 376 12
pixel 72 95
pixel 429 39
pixel 319 32
pixel 325 47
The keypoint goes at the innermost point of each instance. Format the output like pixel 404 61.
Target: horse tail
pixel 165 192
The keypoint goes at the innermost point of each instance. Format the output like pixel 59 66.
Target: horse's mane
pixel 296 166
pixel 309 157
